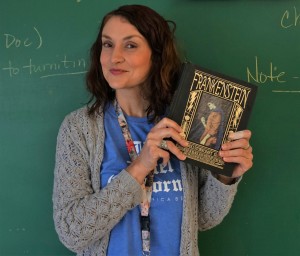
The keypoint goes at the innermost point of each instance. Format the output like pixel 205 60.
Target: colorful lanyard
pixel 147 186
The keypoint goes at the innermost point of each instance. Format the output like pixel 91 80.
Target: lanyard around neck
pixel 147 186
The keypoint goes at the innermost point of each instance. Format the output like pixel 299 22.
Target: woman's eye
pixel 131 46
pixel 106 44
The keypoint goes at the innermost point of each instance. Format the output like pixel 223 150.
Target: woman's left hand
pixel 238 150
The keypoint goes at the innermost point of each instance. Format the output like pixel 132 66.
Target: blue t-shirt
pixel 167 197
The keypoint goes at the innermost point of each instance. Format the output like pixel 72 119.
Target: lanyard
pixel 147 186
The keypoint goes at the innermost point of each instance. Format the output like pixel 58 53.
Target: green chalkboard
pixel 43 59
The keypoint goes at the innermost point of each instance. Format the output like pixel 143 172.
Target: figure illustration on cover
pixel 208 126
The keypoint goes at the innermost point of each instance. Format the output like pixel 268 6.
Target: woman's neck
pixel 132 104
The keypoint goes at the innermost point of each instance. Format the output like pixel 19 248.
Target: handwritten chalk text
pixel 12 41
pixel 261 77
pixel 272 77
pixel 61 66
pixel 64 66
pixel 290 19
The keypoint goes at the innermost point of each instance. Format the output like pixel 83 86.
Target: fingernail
pixel 182 135
pixel 230 135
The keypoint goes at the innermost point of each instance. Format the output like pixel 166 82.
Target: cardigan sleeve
pixel 215 200
pixel 83 215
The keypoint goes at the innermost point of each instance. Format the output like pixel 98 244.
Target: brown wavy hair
pixel 160 84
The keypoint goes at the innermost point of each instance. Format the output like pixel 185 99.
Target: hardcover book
pixel 208 106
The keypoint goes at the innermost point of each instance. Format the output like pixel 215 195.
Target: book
pixel 208 106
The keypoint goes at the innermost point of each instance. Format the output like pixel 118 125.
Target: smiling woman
pixel 117 156
pixel 125 60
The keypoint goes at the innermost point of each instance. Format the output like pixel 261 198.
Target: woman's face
pixel 125 56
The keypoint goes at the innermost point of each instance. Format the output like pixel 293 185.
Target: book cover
pixel 208 105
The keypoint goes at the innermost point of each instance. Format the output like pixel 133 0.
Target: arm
pixel 215 200
pixel 83 214
pixel 217 191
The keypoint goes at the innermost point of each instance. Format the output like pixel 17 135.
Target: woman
pixel 106 150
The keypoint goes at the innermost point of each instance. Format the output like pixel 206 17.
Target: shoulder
pixel 82 116
pixel 81 113
pixel 81 121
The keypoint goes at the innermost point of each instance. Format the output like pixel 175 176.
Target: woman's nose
pixel 117 55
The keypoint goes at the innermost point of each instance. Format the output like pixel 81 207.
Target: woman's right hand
pixel 152 151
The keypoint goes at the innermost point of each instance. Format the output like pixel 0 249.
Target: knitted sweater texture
pixel 84 214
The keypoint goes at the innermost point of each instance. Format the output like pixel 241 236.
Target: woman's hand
pixel 157 146
pixel 238 150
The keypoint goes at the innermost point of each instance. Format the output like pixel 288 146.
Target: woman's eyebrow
pixel 125 38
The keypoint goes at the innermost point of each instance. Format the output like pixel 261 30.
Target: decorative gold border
pixel 200 152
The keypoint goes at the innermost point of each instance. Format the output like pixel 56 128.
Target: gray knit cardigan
pixel 84 215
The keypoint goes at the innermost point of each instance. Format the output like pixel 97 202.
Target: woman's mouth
pixel 116 71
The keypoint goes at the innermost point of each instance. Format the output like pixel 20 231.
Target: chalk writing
pixel 260 77
pixel 281 91
pixel 273 76
pixel 64 66
pixel 16 42
pixel 17 229
pixel 290 19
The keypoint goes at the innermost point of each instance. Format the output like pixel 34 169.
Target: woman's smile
pixel 126 56
pixel 117 71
